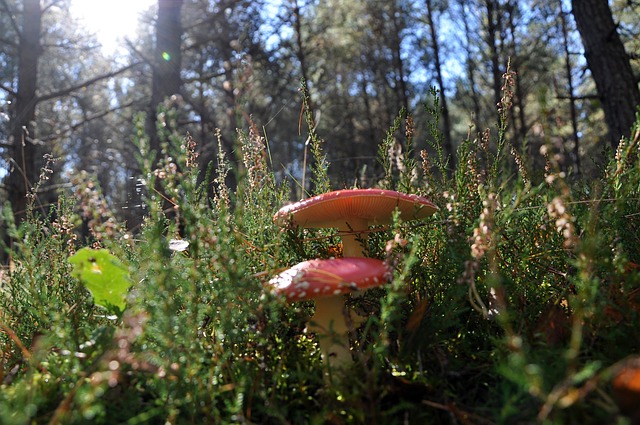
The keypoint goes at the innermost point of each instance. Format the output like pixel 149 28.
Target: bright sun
pixel 111 20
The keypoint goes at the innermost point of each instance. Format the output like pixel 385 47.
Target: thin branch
pixel 203 78
pixel 72 45
pixel 14 337
pixel 83 84
pixel 8 42
pixel 75 126
pixel 8 90
pixel 50 5
pixel 585 97
pixel 144 58
pixel 14 24
pixel 53 187
pixel 198 107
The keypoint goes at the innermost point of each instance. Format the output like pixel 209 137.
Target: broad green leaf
pixel 104 275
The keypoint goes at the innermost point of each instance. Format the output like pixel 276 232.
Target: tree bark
pixel 167 63
pixel 446 119
pixel 609 64
pixel 568 68
pixel 518 116
pixel 22 173
pixel 396 47
pixel 300 48
pixel 471 67
pixel 494 26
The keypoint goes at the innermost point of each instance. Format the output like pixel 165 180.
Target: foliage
pixel 515 303
pixel 104 275
pixel 364 61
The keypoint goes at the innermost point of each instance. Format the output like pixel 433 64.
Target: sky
pixel 111 20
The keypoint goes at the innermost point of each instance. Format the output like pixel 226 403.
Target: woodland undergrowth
pixel 517 302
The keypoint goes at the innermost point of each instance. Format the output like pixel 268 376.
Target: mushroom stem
pixel 330 326
pixel 349 232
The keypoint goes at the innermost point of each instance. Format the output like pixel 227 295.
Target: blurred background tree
pixel 225 64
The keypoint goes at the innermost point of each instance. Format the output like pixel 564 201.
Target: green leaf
pixel 104 275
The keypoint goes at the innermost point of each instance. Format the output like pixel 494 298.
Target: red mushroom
pixel 353 211
pixel 326 282
pixel 626 389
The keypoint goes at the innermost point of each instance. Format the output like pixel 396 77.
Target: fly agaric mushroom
pixel 626 389
pixel 353 211
pixel 326 282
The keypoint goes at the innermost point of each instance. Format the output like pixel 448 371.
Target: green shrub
pixel 515 303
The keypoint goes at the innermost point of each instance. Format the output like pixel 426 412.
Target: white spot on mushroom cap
pixel 303 285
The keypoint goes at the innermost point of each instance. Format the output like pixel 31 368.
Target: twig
pixel 6 329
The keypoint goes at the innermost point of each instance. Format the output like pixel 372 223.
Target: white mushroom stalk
pixel 326 282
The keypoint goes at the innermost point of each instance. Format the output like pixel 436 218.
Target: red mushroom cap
pixel 374 206
pixel 323 278
pixel 626 388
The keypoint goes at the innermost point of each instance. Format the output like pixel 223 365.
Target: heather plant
pixel 517 302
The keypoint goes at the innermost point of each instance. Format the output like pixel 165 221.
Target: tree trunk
pixel 518 113
pixel 446 119
pixel 308 160
pixel 300 49
pixel 167 63
pixel 573 110
pixel 609 64
pixel 396 47
pixel 494 26
pixel 471 68
pixel 23 173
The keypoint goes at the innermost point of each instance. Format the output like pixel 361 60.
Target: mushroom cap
pixel 626 388
pixel 324 278
pixel 374 206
